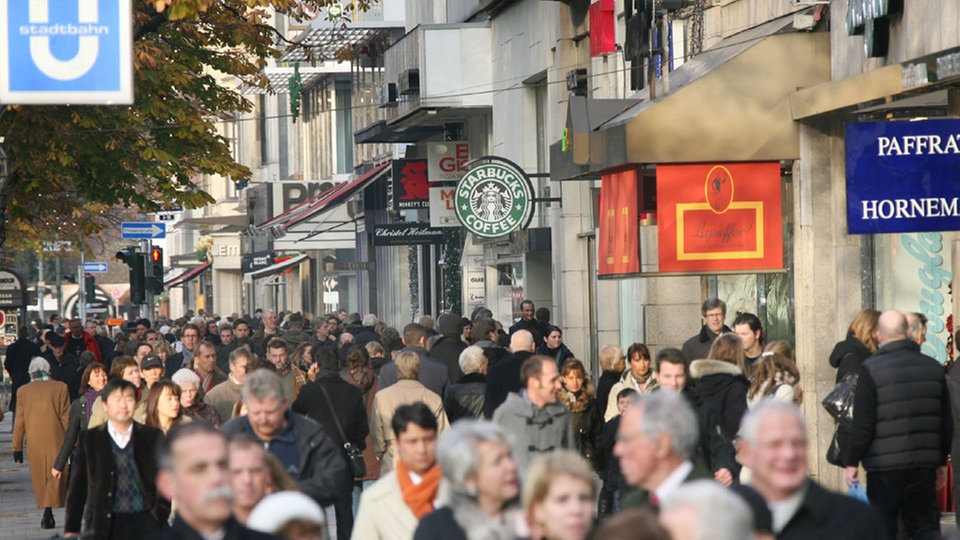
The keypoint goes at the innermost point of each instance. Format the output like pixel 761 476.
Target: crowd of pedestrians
pixel 275 426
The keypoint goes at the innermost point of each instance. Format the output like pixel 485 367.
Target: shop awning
pixel 729 103
pixel 831 96
pixel 187 276
pixel 237 220
pixel 278 267
pixel 337 194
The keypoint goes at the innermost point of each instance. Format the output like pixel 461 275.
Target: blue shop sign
pixel 903 176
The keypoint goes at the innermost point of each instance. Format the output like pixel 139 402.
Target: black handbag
pixel 834 457
pixel 839 402
pixel 354 455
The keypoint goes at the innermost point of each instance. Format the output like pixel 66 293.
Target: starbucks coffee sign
pixel 494 198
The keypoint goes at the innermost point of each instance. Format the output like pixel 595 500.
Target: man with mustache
pixel 194 472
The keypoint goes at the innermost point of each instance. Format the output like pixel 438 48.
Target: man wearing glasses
pixel 714 312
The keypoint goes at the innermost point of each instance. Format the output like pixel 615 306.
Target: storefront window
pixel 913 272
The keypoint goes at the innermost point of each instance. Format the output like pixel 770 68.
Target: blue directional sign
pixel 94 267
pixel 66 52
pixel 143 230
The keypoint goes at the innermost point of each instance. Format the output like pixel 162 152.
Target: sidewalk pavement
pixel 19 516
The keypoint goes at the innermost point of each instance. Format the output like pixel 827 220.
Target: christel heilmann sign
pixel 494 198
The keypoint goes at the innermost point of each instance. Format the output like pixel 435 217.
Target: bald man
pixel 902 428
pixel 504 376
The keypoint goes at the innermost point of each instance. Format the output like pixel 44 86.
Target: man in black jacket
pixel 774 446
pixel 307 452
pixel 114 487
pixel 447 349
pixel 504 377
pixel 902 427
pixel 714 312
pixel 331 400
pixel 19 354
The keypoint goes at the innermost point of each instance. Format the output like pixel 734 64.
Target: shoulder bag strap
pixel 333 412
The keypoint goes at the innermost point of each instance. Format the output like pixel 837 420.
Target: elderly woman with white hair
pixel 465 398
pixel 191 400
pixel 43 408
pixel 479 488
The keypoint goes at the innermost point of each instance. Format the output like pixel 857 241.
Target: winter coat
pixel 698 346
pixel 723 386
pixel 203 412
pixel 232 530
pixel 493 351
pixel 848 355
pixel 534 431
pixel 604 385
pixel 366 334
pixel 901 411
pixel 386 402
pixel 66 370
pixel 714 446
pixel 462 514
pixel 324 475
pixel 76 423
pixel 447 349
pixel 627 380
pixel 223 397
pixel 92 487
pixel 465 398
pixel 825 514
pixel 366 381
pixel 502 379
pixel 348 408
pixel 561 354
pixel 42 413
pixel 18 357
pixel 585 419
pixel 383 514
pixel 529 326
pixel 86 342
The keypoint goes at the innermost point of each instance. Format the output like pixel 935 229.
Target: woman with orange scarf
pixel 480 486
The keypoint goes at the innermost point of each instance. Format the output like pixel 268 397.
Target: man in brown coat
pixel 43 404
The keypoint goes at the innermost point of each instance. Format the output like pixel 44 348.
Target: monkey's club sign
pixel 494 198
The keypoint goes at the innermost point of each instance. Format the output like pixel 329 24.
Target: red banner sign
pixel 619 241
pixel 719 217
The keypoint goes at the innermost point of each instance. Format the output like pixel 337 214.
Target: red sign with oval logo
pixel 719 217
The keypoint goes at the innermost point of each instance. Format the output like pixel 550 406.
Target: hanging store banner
pixel 443 212
pixel 903 176
pixel 447 161
pixel 66 52
pixel 494 198
pixel 411 186
pixel 719 217
pixel 406 234
pixel 618 243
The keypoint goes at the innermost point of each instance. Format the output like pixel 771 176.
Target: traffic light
pixel 134 259
pixel 89 288
pixel 155 270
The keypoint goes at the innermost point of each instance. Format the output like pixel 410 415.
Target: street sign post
pixel 143 230
pixel 66 52
pixel 95 267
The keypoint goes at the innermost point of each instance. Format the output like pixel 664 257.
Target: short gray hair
pixel 38 363
pixel 186 376
pixel 750 425
pixel 370 320
pixel 458 450
pixel 471 359
pixel 668 412
pixel 262 384
pixel 712 303
pixel 720 513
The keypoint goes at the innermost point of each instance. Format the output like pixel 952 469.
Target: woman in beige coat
pixel 44 405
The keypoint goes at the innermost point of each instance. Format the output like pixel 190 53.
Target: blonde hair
pixel 408 365
pixel 610 356
pixel 545 468
pixel 781 347
pixel 864 327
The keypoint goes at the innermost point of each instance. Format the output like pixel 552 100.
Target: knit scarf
pixel 642 381
pixel 39 376
pixel 419 497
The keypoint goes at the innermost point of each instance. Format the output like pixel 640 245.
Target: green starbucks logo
pixel 494 198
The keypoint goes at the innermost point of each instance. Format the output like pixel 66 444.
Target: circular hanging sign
pixel 494 198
